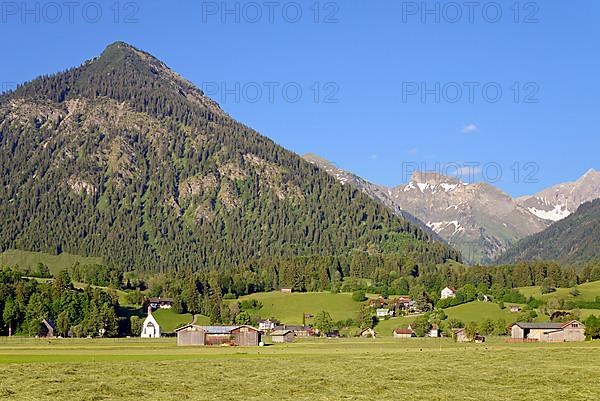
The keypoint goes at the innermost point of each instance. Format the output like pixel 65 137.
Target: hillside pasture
pixel 289 308
pixel 169 320
pixel 477 311
pixel 321 370
pixel 55 263
pixel 588 292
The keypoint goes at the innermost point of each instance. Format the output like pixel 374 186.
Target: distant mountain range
pixel 479 219
pixel 573 239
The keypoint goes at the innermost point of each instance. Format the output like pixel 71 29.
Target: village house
pixel 160 303
pixel 195 335
pixel 282 336
pixel 384 312
pixel 448 292
pixel 460 335
pixel 267 325
pixel 434 331
pixel 287 290
pixel 150 328
pixel 377 303
pixel 515 309
pixel 368 333
pixel 548 332
pixel 299 331
pixel 403 333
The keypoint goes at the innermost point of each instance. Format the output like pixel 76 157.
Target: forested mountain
pixel 122 158
pixel 377 192
pixel 573 239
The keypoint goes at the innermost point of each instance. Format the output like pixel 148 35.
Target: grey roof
pixel 540 326
pixel 280 332
pixel 218 329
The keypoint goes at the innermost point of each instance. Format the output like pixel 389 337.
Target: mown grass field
pixel 355 369
pixel 55 263
pixel 289 308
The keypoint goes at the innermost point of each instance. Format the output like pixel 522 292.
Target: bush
pixel 359 296
pixel 251 304
pixel 546 289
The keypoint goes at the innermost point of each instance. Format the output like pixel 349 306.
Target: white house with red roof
pixel 448 292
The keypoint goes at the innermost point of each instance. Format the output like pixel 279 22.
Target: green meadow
pixel 349 369
pixel 289 308
pixel 55 263
pixel 587 292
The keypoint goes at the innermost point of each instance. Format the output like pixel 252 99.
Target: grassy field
pixel 478 311
pixel 55 263
pixel 472 311
pixel 588 292
pixel 382 369
pixel 289 308
pixel 169 320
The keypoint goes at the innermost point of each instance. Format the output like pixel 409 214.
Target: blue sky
pixel 379 79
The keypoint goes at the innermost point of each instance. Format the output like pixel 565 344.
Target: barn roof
pixel 403 331
pixel 539 326
pixel 280 332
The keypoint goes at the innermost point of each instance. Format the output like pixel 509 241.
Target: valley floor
pixel 349 369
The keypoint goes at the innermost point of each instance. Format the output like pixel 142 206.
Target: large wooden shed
pixel 192 334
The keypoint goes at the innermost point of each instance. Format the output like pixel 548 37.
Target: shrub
pixel 359 296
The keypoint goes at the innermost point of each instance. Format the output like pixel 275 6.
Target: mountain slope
pixel 574 239
pixel 121 158
pixel 561 200
pixel 377 192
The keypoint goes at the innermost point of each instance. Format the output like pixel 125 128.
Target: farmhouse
pixel 300 331
pixel 548 332
pixel 384 312
pixel 162 303
pixel 267 325
pixel 217 335
pixel 368 333
pixel 460 335
pixel 287 290
pixel 282 336
pixel 403 333
pixel 448 292
pixel 150 328
pixel 515 309
pixel 434 331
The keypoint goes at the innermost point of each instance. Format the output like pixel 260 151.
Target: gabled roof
pixel 215 329
pixel 450 288
pixel 403 331
pixel 280 332
pixel 544 326
pixel 159 300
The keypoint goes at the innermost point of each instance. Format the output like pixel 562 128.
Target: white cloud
pixel 470 129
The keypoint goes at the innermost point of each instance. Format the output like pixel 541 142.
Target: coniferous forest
pixel 123 159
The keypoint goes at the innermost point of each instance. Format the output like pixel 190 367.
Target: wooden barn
pixel 282 336
pixel 548 332
pixel 192 335
pixel 48 329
